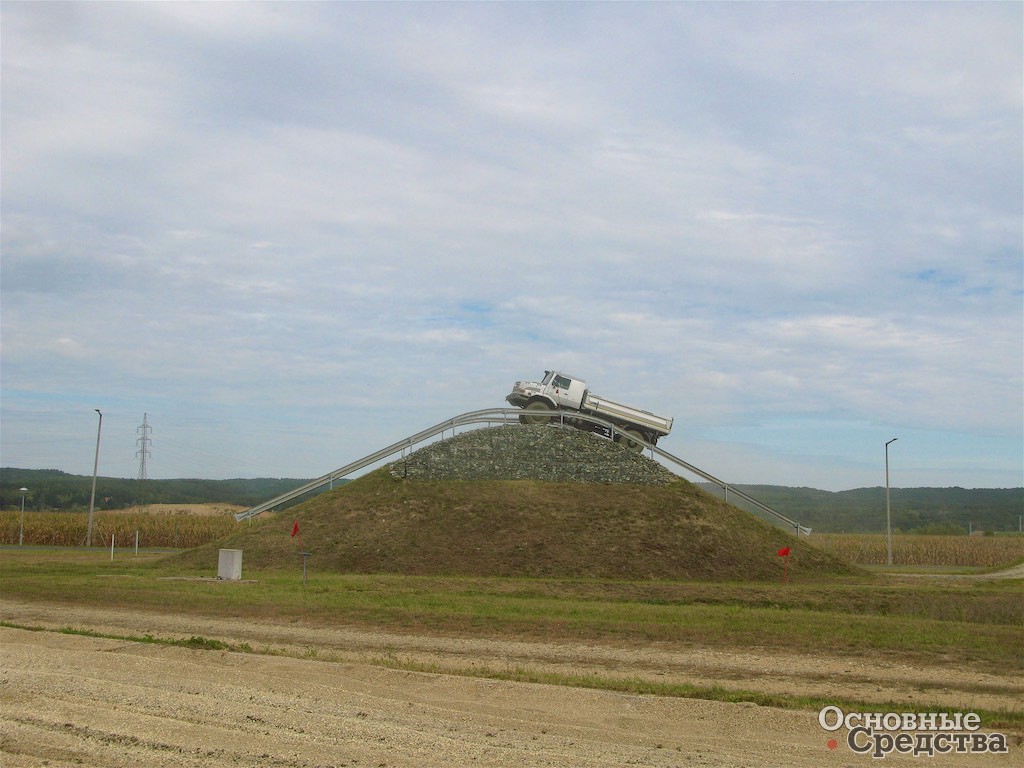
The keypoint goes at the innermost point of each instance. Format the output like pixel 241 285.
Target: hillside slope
pixel 545 521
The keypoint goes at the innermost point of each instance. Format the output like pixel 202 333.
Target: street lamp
pixel 888 510
pixel 95 468
pixel 21 527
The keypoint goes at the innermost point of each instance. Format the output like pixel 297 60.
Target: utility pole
pixel 95 469
pixel 888 511
pixel 21 527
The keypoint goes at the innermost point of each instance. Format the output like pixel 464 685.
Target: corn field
pixel 68 529
pixel 871 549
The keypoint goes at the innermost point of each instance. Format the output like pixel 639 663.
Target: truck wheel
pixel 631 438
pixel 536 413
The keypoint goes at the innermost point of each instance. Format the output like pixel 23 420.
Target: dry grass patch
pixel 916 550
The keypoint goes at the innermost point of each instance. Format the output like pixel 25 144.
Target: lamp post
pixel 95 468
pixel 888 509
pixel 21 526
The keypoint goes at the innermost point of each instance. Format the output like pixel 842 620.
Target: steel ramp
pixel 500 416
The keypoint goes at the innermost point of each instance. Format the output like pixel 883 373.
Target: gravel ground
pixel 72 700
pixel 526 453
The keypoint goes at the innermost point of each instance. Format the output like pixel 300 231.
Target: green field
pixel 915 619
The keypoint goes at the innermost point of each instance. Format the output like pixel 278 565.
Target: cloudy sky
pixel 295 233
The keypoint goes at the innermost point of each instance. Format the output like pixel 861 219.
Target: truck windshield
pixel 547 377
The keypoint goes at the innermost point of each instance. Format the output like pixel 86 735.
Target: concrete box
pixel 229 564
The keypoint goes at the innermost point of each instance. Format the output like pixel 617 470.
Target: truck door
pixel 566 392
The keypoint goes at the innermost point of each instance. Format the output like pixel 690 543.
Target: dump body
pixel 560 392
pixel 616 412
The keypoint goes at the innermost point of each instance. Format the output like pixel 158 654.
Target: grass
pixel 976 622
pixel 525 528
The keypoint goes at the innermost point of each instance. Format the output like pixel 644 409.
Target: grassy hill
pixel 652 528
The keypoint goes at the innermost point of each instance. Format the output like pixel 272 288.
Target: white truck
pixel 560 392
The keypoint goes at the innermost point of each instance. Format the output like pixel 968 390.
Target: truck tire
pixel 630 438
pixel 537 412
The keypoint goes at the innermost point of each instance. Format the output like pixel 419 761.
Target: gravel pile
pixel 523 452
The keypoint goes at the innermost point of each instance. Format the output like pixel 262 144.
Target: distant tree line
pixel 914 510
pixel 51 489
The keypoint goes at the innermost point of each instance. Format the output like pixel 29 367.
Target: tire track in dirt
pixel 772 671
pixel 76 700
pixel 97 702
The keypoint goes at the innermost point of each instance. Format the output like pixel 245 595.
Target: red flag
pixel 784 552
pixel 295 529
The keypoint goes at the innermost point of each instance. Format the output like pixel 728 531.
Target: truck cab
pixel 557 389
pixel 565 391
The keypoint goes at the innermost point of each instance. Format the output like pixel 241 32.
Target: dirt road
pixel 74 700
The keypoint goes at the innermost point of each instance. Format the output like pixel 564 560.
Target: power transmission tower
pixel 143 442
pixel 142 454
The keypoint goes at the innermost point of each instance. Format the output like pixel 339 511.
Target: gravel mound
pixel 528 452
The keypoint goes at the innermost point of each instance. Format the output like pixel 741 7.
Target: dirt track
pixel 73 700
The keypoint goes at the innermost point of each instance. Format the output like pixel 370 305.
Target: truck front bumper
pixel 522 393
pixel 517 399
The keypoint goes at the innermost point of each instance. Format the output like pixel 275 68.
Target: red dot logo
pixel 832 743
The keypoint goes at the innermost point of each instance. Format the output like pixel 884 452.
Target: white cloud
pixel 324 226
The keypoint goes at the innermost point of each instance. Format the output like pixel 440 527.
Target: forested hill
pixel 918 510
pixel 53 489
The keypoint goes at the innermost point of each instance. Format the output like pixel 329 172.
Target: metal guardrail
pixel 493 416
pixel 490 416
